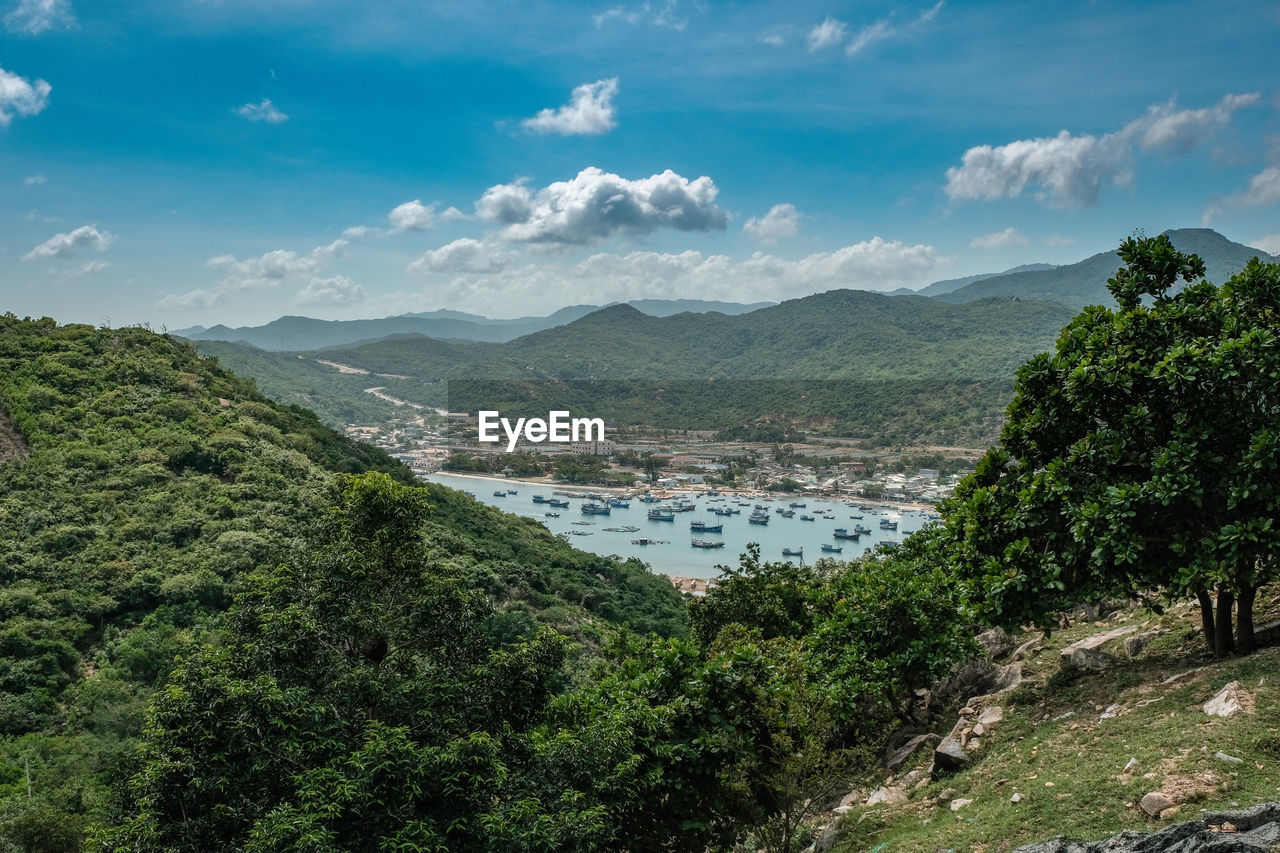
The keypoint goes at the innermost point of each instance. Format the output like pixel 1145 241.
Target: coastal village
pixel 691 461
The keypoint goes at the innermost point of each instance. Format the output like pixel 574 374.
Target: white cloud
pixel 358 232
pixel 589 111
pixel 999 240
pixel 33 180
pixel 596 204
pixel 91 268
pixel 21 97
pixel 33 17
pixel 666 15
pixel 1070 171
pixel 338 290
pixel 1270 245
pixel 1058 240
pixel 927 15
pixel 462 256
pixel 265 111
pixel 606 277
pixel 782 221
pixel 830 32
pixel 273 268
pixel 192 300
pixel 869 35
pixel 1264 188
pixel 416 216
pixel 64 245
pixel 773 40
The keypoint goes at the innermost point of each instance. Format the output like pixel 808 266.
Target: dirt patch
pixel 12 444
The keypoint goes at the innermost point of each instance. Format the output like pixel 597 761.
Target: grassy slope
pixel 1067 764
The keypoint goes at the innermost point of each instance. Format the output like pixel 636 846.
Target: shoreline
pixel 917 506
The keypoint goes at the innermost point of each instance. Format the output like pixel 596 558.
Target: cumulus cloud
pixel 192 300
pixel 782 221
pixel 33 17
pixel 830 32
pixel 1264 188
pixel 273 268
pixel 589 111
pixel 999 240
pixel 21 97
pixel 1270 245
pixel 338 290
pixel 462 256
pixel 265 111
pixel 596 204
pixel 65 244
pixel 874 263
pixel 1070 171
pixel 667 15
pixel 416 216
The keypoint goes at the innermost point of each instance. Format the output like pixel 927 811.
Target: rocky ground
pixel 1118 726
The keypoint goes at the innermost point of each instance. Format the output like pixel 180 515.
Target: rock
pixel 1091 660
pixel 958 804
pixel 1181 675
pixel 1230 759
pixel 1170 812
pixel 852 798
pixel 1134 645
pixel 1111 712
pixel 913 778
pixel 979 730
pixel 990 716
pixel 949 756
pixel 1131 766
pixel 995 642
pixel 1228 827
pixel 1228 701
pixel 1246 819
pixel 1156 802
pixel 975 744
pixel 899 756
pixel 842 809
pixel 1026 648
pixel 1253 830
pixel 887 796
pixel 1097 640
pixel 1007 677
pixel 1016 798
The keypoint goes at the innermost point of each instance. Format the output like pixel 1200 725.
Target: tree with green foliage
pixel 1140 458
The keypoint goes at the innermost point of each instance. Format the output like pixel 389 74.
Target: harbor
pixel 677 535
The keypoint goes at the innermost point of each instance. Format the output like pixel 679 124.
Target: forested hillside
pixel 140 484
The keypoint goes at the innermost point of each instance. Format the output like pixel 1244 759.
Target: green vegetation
pixel 1141 458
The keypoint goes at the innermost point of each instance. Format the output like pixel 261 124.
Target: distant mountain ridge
pixel 947 286
pixel 1085 282
pixel 293 333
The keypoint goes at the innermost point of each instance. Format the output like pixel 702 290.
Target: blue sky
pixel 201 161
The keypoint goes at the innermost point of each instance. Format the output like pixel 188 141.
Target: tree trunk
pixel 1224 644
pixel 1206 620
pixel 1245 640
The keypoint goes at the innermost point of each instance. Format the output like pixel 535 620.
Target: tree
pixel 1141 457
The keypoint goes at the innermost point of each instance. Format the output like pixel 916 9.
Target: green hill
pixel 139 484
pixel 1085 283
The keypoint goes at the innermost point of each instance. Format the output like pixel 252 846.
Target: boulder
pixel 949 756
pixel 1156 802
pixel 958 804
pixel 1228 701
pixel 1134 645
pixel 1027 648
pixel 995 642
pixel 1097 640
pixel 898 757
pixel 887 797
pixel 1091 660
pixel 991 715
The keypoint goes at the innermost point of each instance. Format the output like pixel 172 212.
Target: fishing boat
pixel 584 523
pixel 647 499
pixel 661 515
pixel 539 499
pixel 863 531
pixel 619 503
pixel 595 509
pixel 842 533
pixel 512 492
pixel 500 494
pixel 556 502
pixel 706 543
pixel 788 513
pixel 886 524
pixel 552 514
pixel 645 540
pixel 858 517
pixel 797 504
pixel 793 552
pixel 758 518
pixel 705 528
pixel 580 532
pixel 806 518
pixel 831 549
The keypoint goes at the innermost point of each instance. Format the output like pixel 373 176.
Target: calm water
pixel 677 556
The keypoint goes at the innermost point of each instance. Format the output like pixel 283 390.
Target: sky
pixel 192 162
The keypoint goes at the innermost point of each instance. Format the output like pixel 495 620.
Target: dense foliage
pixel 1141 457
pixel 138 484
